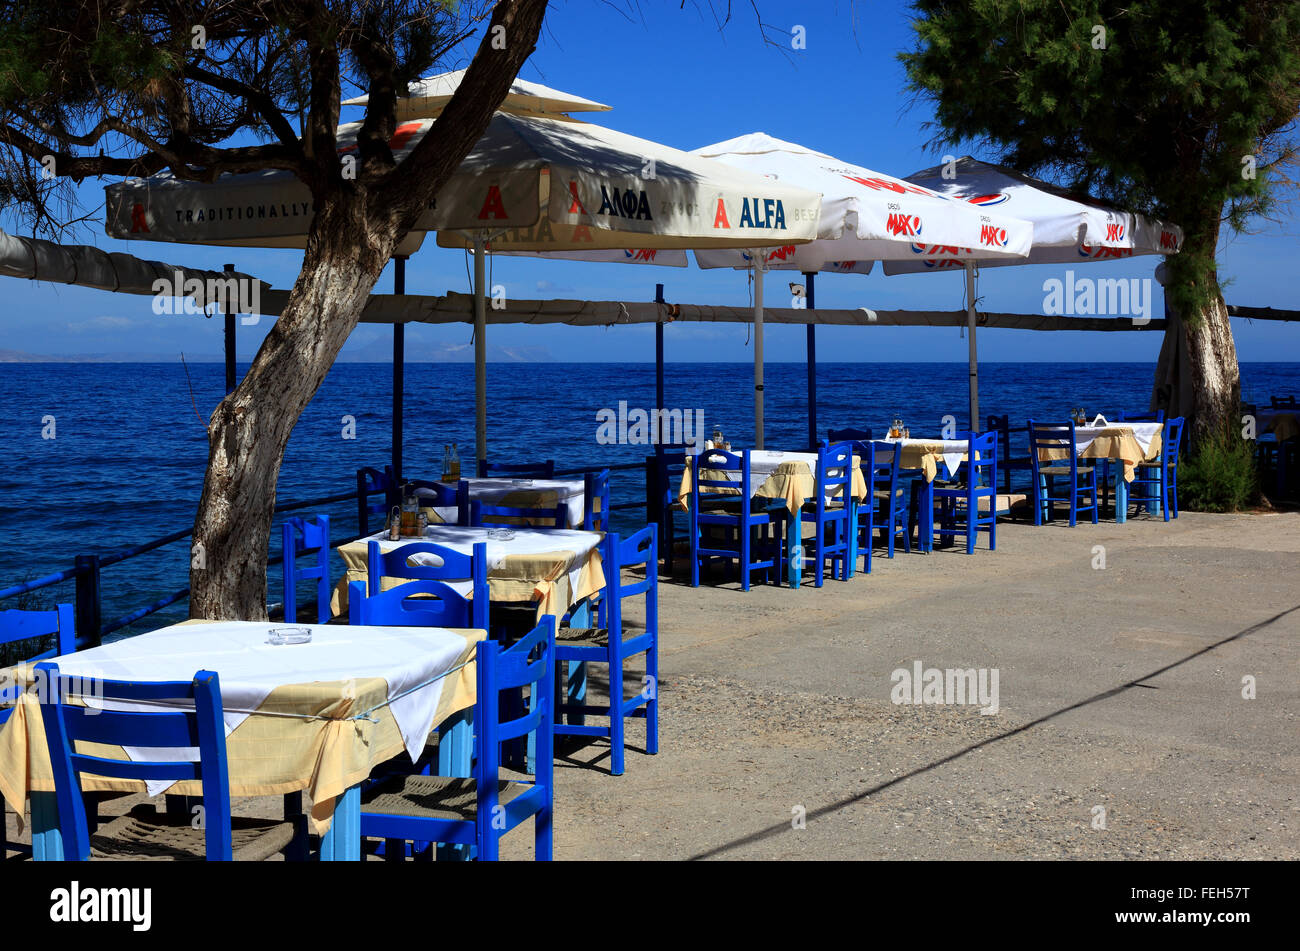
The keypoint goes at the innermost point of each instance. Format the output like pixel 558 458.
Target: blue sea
pixel 125 464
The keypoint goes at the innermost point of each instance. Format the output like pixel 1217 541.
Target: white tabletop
pixel 763 462
pixel 953 451
pixel 1143 432
pixel 406 658
pixel 570 491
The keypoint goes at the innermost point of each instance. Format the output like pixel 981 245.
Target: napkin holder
pixel 1100 421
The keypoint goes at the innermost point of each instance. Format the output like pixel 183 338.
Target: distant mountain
pixel 18 356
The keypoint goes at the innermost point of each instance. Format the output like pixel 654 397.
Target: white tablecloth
pixel 1142 432
pixel 571 492
pixel 407 658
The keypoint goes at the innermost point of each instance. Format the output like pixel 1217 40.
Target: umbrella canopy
pixel 1068 229
pixel 530 184
pixel 427 98
pixel 865 215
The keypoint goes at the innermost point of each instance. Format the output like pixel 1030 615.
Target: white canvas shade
pixel 1068 229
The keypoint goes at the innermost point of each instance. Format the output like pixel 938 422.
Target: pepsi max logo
pixel 993 236
pixel 640 254
pixel 984 201
pixel 1168 241
pixel 905 225
pixel 1100 253
pixel 1114 232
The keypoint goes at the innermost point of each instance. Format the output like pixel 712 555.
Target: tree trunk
pixel 250 428
pixel 1197 375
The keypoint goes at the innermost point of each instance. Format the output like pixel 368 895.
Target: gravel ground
pixel 1120 689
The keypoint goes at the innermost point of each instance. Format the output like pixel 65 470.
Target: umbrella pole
pixel 480 352
pixel 759 267
pixel 974 359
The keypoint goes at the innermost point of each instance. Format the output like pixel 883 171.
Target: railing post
pixel 88 617
pixel 652 515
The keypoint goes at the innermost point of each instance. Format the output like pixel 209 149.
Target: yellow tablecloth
pixel 1283 425
pixel 544 577
pixel 316 747
pixel 1111 442
pixel 794 482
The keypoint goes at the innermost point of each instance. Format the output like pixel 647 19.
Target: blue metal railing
pixel 88 602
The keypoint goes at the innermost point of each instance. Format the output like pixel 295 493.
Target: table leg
pixel 927 517
pixel 794 549
pixel 1121 497
pixel 47 840
pixel 581 617
pixel 342 841
pixel 456 758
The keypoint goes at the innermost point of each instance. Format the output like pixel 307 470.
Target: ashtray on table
pixel 288 635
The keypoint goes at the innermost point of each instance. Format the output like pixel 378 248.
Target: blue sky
pixel 673 76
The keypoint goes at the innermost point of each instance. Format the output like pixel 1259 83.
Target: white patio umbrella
pixel 531 184
pixel 865 216
pixel 1068 229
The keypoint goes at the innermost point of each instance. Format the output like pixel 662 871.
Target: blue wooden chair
pixel 1282 402
pixel 414 604
pixel 1081 481
pixel 609 644
pixel 59 627
pixel 437 494
pixel 865 450
pixel 669 463
pixel 828 513
pixel 959 503
pixel 888 497
pixel 517 470
pixel 478 810
pixel 1160 480
pixel 1010 465
pixel 369 481
pixel 453 566
pixel 478 513
pixel 733 518
pixel 144 832
pixel 303 537
pixel 595 505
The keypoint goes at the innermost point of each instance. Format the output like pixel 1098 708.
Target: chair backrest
pixel 639 550
pixel 437 605
pixel 449 565
pixel 884 475
pixel 1055 437
pixel 983 472
pixel 1282 402
pixel 438 494
pixel 301 536
pixel 196 722
pixel 1151 416
pixel 834 473
pixel 1002 426
pixel 595 505
pixel 522 470
pixel 16 625
pixel 369 481
pixel 529 662
pixel 1171 437
pixel 485 513
pixel 710 471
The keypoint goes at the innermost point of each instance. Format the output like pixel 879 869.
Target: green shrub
pixel 1221 477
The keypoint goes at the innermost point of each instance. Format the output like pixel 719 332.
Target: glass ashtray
pixel 288 635
pixel 521 481
pixel 501 534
